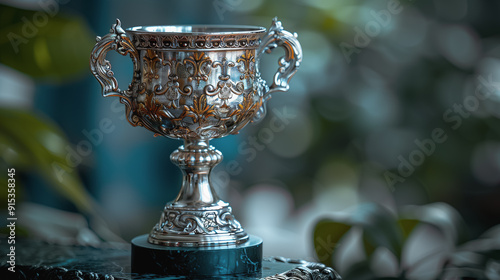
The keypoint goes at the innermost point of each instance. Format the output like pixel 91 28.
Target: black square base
pixel 231 260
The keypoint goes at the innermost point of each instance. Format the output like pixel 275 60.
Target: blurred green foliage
pixel 44 45
pixel 52 47
pixel 418 70
pixel 380 228
pixel 31 143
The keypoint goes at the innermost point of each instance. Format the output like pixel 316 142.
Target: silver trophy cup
pixel 196 83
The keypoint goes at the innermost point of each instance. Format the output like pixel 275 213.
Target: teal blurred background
pixel 396 103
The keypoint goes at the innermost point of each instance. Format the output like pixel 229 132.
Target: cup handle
pixel 119 41
pixel 288 64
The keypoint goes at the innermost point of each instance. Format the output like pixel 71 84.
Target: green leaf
pixel 41 145
pixel 379 227
pixel 327 234
pixel 43 45
pixel 442 216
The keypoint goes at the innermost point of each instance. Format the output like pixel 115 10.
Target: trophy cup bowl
pixel 195 83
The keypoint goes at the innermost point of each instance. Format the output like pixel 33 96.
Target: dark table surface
pixel 40 260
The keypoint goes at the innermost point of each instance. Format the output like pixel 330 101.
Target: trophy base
pixel 209 225
pixel 244 260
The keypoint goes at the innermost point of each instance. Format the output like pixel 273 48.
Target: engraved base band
pixel 186 227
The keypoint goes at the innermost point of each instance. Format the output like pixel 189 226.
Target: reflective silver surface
pixel 190 30
pixel 196 83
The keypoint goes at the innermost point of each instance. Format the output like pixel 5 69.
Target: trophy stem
pixel 196 160
pixel 197 217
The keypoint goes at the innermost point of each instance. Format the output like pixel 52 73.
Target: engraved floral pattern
pixel 153 112
pixel 170 107
pixel 179 108
pixel 246 111
pixel 174 104
pixel 172 91
pixel 198 66
pixel 200 111
pixel 225 87
pixel 247 65
pixel 150 66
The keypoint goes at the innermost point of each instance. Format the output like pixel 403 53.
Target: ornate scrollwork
pixel 289 63
pixel 175 221
pixel 172 91
pixel 161 110
pixel 200 111
pixel 306 271
pixel 61 273
pixel 247 66
pixel 246 110
pixel 150 66
pixel 181 132
pixel 144 40
pixel 119 41
pixel 153 112
pixel 153 109
pixel 212 131
pixel 225 87
pixel 198 66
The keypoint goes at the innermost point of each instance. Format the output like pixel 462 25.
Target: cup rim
pixel 200 29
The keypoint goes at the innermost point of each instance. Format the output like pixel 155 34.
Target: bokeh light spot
pixel 458 44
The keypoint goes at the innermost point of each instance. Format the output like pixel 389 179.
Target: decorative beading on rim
pixel 244 38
